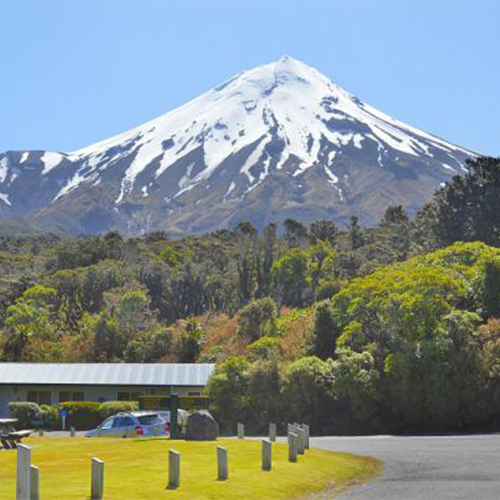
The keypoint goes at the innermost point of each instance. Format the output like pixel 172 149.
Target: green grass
pixel 138 469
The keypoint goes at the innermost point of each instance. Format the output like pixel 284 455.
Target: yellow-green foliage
pixel 138 469
pixel 291 316
pixel 419 291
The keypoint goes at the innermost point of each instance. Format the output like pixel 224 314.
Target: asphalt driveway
pixel 426 467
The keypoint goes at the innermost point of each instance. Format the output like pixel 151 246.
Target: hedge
pixel 50 416
pixel 113 407
pixel 25 412
pixel 82 415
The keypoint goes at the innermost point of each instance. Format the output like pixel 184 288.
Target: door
pixel 124 427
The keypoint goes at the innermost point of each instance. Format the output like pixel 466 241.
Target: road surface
pixel 426 467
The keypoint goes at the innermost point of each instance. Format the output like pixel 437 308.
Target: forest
pixel 357 329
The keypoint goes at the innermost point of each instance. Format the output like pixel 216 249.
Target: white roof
pixel 177 374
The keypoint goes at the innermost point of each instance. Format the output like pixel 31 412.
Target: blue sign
pixel 63 413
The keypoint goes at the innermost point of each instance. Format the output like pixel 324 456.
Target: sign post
pixel 63 414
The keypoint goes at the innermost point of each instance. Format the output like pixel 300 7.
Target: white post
pixel 174 469
pixel 241 431
pixel 301 440
pixel 97 480
pixel 272 432
pixel 23 472
pixel 63 418
pixel 34 483
pixel 222 464
pixel 267 454
pixel 306 428
pixel 72 431
pixel 292 447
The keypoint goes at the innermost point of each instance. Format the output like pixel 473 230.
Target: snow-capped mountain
pixel 277 141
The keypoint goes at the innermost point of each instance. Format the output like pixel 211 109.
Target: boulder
pixel 201 426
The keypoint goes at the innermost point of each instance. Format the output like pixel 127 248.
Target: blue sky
pixel 73 73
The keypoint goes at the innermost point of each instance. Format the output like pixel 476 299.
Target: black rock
pixel 201 426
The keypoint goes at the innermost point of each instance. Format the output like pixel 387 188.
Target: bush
pixel 82 415
pixel 257 319
pixel 113 407
pixel 264 348
pixel 25 412
pixel 50 416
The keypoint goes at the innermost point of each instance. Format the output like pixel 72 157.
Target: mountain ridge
pixel 279 140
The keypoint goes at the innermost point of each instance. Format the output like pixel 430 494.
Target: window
pixel 71 396
pixel 149 420
pixel 40 397
pixel 123 422
pixel 128 396
pixel 107 424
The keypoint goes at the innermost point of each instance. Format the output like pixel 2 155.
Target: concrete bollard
pixel 301 440
pixel 241 431
pixel 23 472
pixel 306 428
pixel 292 447
pixel 267 454
pixel 272 432
pixel 97 480
pixel 174 469
pixel 72 431
pixel 40 432
pixel 34 483
pixel 222 464
pixel 291 430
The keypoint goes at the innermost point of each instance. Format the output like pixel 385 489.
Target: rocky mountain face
pixel 277 141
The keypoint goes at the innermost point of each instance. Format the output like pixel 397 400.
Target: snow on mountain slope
pixel 297 99
pixel 282 123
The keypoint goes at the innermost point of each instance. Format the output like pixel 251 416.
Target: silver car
pixel 132 424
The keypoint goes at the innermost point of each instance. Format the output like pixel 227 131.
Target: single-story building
pixel 53 383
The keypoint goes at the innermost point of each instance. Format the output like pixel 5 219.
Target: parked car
pixel 132 424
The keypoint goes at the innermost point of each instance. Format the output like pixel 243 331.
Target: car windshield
pixel 149 419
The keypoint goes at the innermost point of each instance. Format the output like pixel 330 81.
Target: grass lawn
pixel 138 469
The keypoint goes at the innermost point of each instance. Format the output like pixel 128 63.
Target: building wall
pixel 9 393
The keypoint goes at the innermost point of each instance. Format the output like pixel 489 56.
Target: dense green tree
pixel 466 208
pixel 110 342
pixel 355 381
pixel 257 318
pixel 306 389
pixel 321 258
pixel 228 390
pixel 192 339
pixel 356 237
pixel 290 277
pixel 323 230
pixel 325 331
pixel 295 233
pixel 32 316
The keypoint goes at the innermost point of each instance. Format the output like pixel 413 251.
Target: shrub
pixel 82 415
pixel 50 416
pixel 25 412
pixel 212 356
pixel 113 407
pixel 264 348
pixel 257 319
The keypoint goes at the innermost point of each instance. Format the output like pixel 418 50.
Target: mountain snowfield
pixel 280 140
